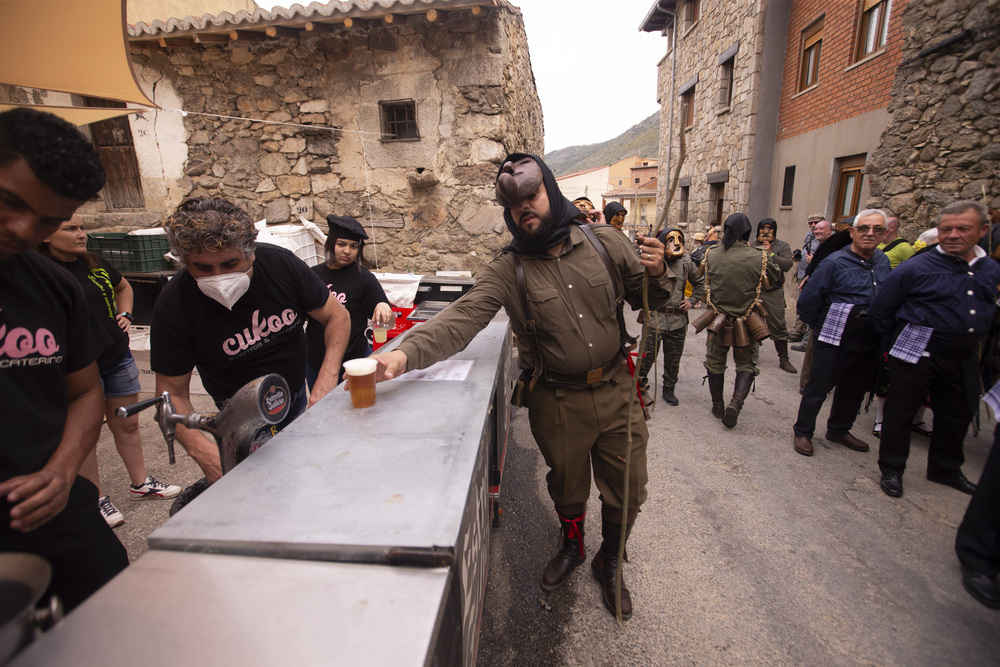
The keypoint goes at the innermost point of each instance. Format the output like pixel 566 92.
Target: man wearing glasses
pixel 834 302
pixel 936 308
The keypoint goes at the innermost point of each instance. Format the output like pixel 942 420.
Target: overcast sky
pixel 595 71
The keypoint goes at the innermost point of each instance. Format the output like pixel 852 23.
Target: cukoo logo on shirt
pixel 21 342
pixel 259 328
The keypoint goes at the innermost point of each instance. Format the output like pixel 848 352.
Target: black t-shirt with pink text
pixel 46 332
pixel 262 333
pixel 359 290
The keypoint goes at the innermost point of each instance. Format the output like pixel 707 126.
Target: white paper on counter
pixel 449 369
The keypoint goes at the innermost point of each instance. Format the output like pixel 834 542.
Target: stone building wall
pixel 722 138
pixel 427 203
pixel 941 143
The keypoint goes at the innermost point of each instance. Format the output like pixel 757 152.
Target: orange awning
pixel 75 115
pixel 68 46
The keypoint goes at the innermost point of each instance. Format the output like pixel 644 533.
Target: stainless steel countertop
pixel 348 484
pixel 175 608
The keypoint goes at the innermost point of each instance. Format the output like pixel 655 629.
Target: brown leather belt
pixel 593 376
pixel 671 310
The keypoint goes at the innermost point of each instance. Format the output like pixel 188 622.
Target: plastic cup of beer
pixel 361 374
pixel 380 330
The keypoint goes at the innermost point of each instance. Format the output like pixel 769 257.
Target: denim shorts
pixel 123 379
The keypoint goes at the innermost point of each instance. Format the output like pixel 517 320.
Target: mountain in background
pixel 642 139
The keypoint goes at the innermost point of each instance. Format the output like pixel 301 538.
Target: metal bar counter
pixel 230 610
pixel 355 485
pixel 397 496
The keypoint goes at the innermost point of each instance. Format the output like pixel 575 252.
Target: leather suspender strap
pixel 529 322
pixel 599 247
pixel 627 341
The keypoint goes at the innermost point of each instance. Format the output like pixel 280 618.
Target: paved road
pixel 745 552
pixel 143 516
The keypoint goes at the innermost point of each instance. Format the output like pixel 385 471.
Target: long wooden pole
pixel 660 220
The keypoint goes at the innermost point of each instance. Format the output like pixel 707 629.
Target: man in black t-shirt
pixel 236 312
pixel 53 404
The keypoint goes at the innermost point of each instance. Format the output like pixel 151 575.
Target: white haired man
pixel 834 302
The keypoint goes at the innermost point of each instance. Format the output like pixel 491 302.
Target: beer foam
pixel 360 366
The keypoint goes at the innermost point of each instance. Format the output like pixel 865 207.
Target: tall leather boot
pixel 605 567
pixel 647 395
pixel 571 553
pixel 716 383
pixel 744 380
pixel 781 346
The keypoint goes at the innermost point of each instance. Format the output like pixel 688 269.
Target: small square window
pixel 637 180
pixel 786 190
pixel 399 120
pixel 812 41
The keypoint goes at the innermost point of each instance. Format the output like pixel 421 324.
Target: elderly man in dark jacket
pixel 773 296
pixel 834 302
pixel 937 307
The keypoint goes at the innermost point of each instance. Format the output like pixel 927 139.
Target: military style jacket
pixel 686 271
pixel 732 276
pixel 781 254
pixel 571 298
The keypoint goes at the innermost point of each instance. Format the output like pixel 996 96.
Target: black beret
pixel 344 226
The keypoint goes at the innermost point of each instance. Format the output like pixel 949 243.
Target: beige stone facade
pixel 293 125
pixel 723 44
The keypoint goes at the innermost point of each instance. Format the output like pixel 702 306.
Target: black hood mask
pixel 767 223
pixel 613 209
pixel 511 184
pixel 736 228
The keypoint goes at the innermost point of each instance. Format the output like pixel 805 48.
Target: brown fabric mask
pixel 517 181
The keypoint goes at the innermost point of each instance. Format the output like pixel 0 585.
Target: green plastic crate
pixel 140 253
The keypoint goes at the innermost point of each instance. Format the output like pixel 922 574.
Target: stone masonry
pixel 941 143
pixel 428 203
pixel 721 137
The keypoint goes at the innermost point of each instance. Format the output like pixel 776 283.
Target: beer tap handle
pixel 165 417
pixel 127 411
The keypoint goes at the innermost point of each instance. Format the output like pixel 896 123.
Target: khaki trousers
pixel 577 429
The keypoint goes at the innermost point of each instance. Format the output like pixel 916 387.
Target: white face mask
pixel 226 288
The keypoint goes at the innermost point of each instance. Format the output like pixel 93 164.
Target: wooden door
pixel 113 140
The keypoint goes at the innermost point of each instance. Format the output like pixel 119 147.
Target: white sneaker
pixel 110 512
pixel 153 489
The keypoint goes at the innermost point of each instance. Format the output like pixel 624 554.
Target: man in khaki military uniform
pixel 773 295
pixel 732 278
pixel 578 402
pixel 670 320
